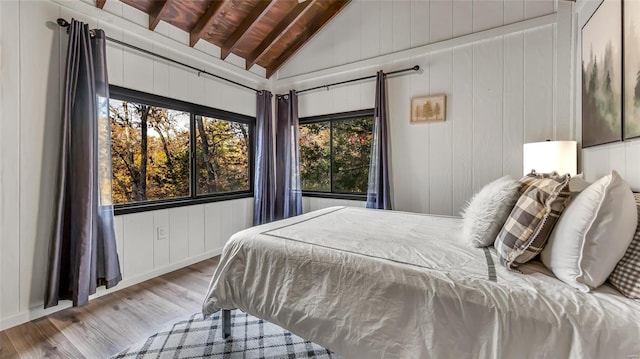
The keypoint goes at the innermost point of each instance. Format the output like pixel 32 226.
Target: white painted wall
pixel 505 67
pixel 371 28
pixel 598 161
pixel 31 77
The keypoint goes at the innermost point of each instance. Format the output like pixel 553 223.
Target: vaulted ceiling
pixel 263 32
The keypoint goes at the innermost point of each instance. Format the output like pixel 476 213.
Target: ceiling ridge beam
pixel 313 29
pixel 254 17
pixel 156 14
pixel 205 22
pixel 276 34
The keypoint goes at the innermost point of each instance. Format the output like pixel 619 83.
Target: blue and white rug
pixel 251 338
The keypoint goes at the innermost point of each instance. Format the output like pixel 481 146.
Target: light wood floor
pixel 111 323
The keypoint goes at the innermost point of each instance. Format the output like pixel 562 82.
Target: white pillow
pixel 592 234
pixel 578 184
pixel 487 211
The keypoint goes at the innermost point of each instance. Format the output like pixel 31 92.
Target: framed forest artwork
pixel 631 106
pixel 602 75
pixel 428 108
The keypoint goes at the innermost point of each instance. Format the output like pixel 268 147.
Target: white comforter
pixel 380 284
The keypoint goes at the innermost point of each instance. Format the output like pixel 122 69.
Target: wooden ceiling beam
pixel 100 3
pixel 313 29
pixel 259 12
pixel 157 13
pixel 205 22
pixel 278 31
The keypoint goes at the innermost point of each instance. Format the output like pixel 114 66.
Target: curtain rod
pixel 65 23
pixel 415 68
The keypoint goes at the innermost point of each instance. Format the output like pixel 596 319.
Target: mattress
pixel 384 284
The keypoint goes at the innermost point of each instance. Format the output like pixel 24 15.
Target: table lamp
pixel 549 156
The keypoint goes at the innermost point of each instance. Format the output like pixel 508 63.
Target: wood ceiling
pixel 263 32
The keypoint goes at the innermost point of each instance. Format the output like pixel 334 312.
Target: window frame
pixel 331 118
pixel 125 94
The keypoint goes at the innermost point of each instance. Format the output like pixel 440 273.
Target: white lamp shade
pixel 549 156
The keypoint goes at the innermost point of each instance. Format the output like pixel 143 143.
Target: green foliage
pixel 315 158
pixel 222 152
pixel 351 155
pixel 150 153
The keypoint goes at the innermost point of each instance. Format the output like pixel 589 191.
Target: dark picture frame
pixel 602 76
pixel 631 68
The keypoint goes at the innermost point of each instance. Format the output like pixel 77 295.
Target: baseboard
pixel 39 311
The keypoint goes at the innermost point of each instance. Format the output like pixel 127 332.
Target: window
pixel 168 153
pixel 335 151
pixel 222 151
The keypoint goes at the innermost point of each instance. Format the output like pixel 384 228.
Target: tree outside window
pixel 153 151
pixel 335 153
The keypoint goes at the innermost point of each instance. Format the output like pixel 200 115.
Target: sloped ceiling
pixel 263 32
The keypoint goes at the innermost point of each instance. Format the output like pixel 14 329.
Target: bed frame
pixel 225 317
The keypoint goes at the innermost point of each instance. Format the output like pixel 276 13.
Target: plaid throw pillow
pixel 626 275
pixel 524 234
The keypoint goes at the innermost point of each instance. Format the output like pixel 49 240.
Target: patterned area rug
pixel 202 338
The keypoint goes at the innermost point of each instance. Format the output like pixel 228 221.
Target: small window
pixel 167 153
pixel 335 151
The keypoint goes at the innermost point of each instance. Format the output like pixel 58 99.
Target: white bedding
pixel 381 284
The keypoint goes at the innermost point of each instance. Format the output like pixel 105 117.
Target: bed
pixel 385 284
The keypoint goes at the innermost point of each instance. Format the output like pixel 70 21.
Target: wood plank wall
pixel 33 56
pixel 501 91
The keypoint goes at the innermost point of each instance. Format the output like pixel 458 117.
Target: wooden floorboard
pixel 113 322
pixel 58 343
pixel 6 347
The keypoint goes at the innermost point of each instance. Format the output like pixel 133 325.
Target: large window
pixel 335 151
pixel 167 153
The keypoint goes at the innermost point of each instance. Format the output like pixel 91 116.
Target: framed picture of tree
pixel 428 108
pixel 631 21
pixel 602 75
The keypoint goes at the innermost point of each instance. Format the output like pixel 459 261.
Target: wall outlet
pixel 162 233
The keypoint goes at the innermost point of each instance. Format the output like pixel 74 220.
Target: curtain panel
pixel 265 177
pixel 83 248
pixel 288 190
pixel 379 192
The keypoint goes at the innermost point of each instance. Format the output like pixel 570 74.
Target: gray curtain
pixel 379 193
pixel 265 178
pixel 288 193
pixel 83 248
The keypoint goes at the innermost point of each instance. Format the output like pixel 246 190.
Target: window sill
pixel 332 195
pixel 129 208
